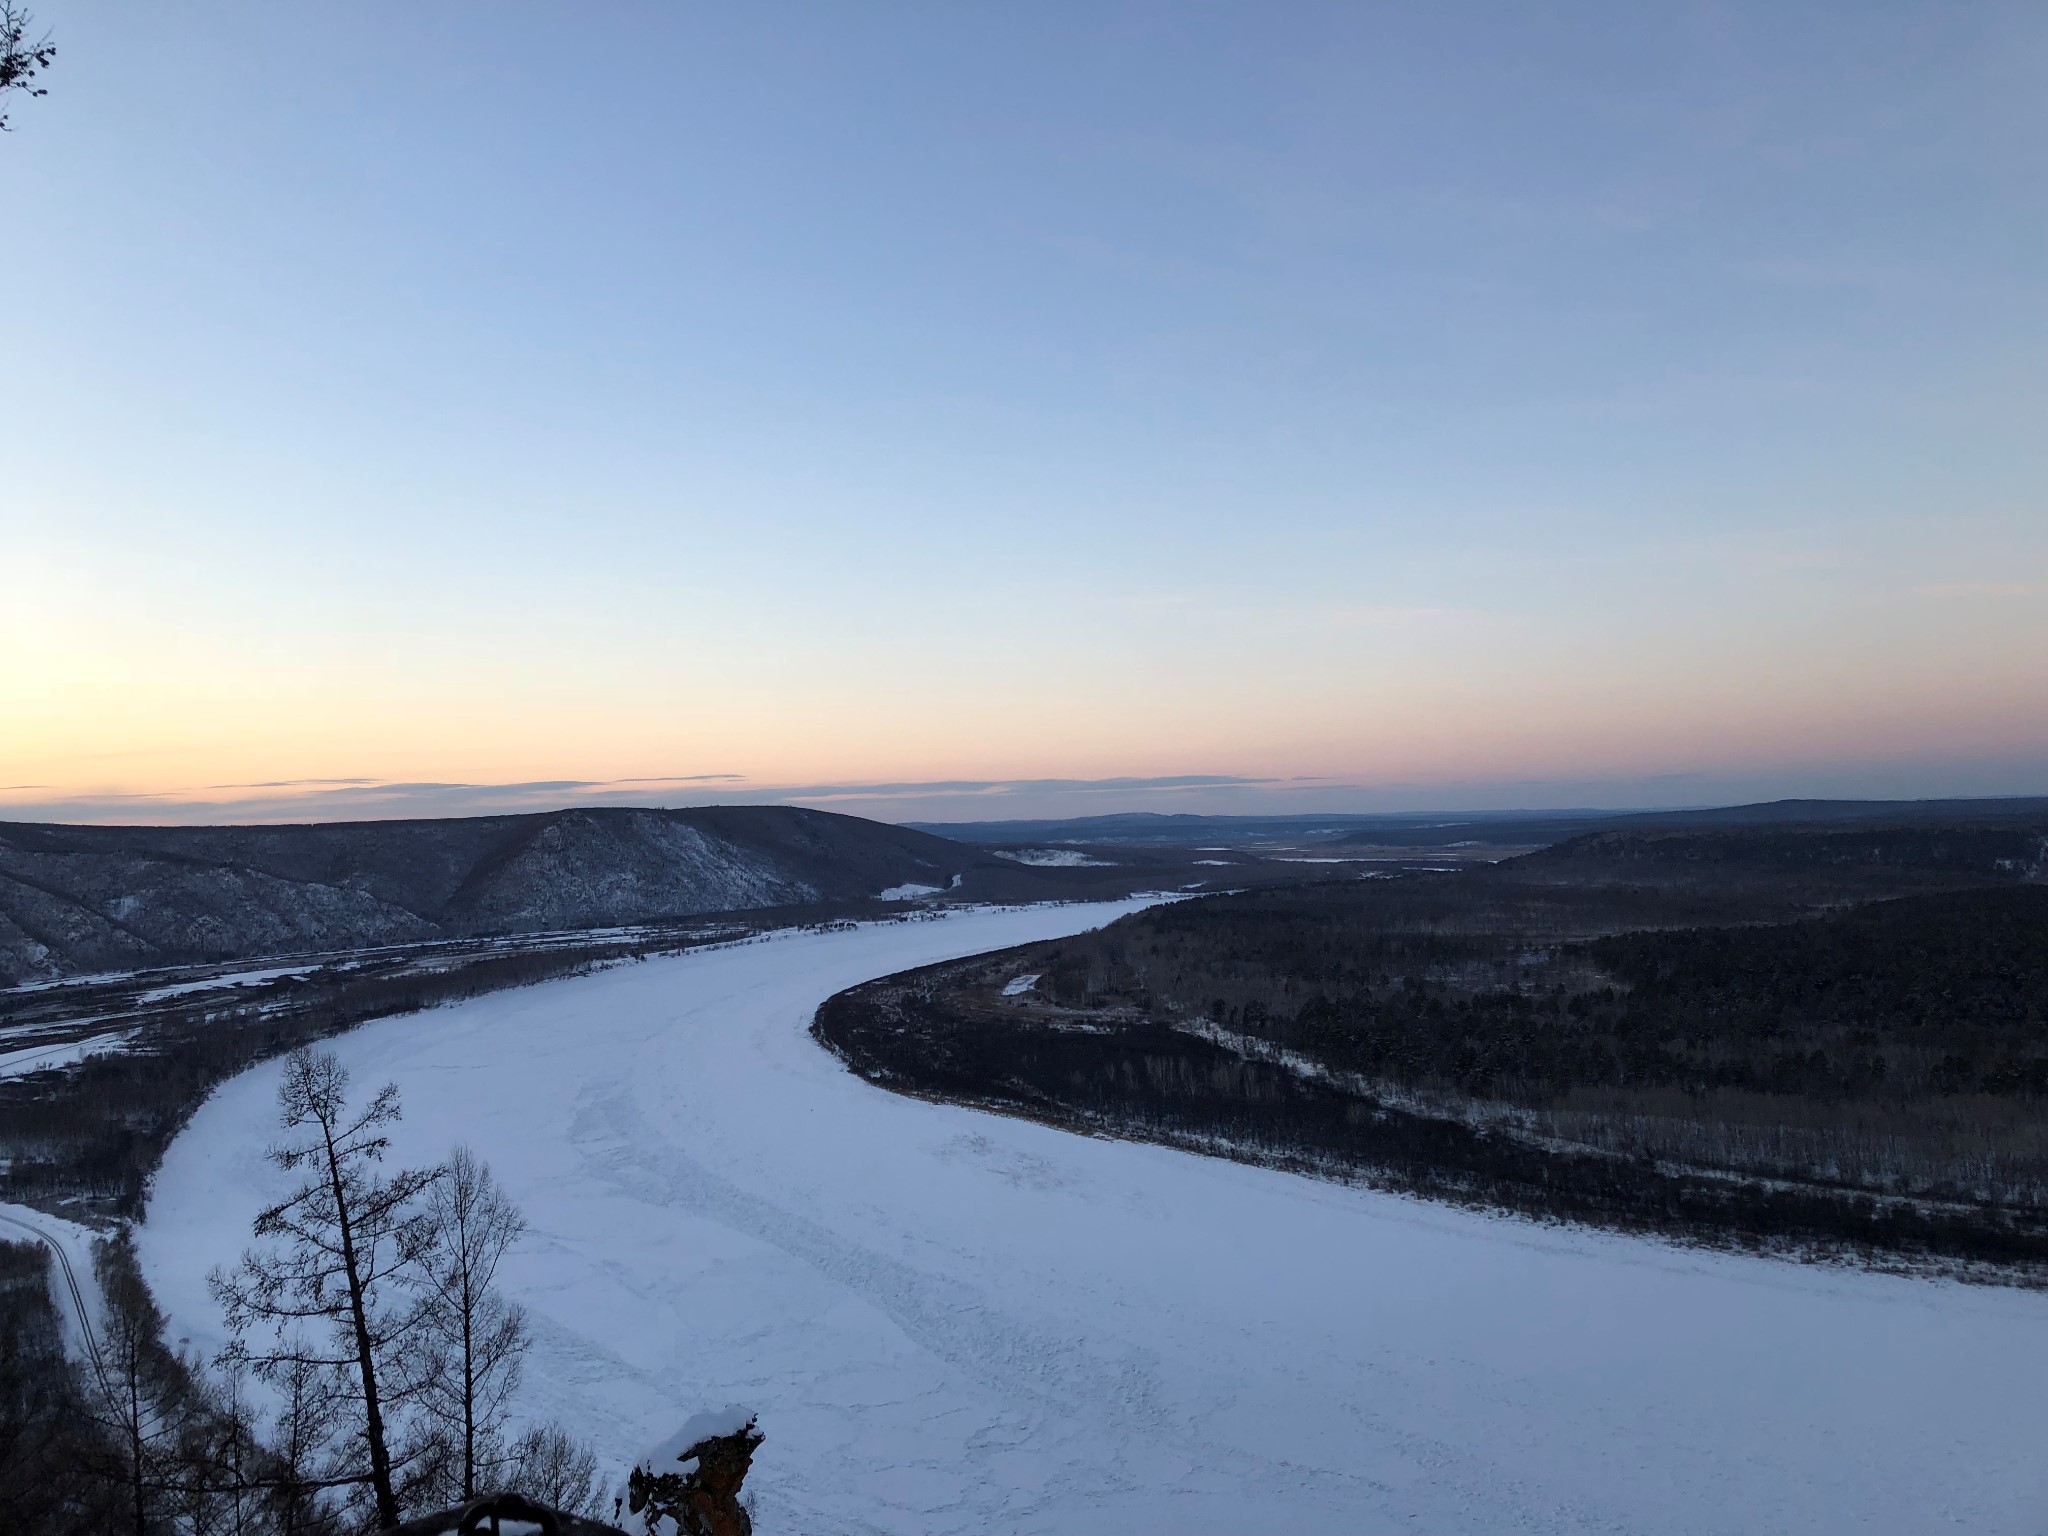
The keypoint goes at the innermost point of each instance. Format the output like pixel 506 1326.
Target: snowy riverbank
pixel 953 1322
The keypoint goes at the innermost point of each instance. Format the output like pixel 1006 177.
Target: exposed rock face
pixel 82 899
pixel 702 1492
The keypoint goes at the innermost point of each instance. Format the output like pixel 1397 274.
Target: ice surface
pixel 1017 986
pixel 956 1322
pixel 910 892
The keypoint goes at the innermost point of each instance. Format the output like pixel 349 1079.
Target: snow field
pixel 217 983
pixel 956 1322
pixel 42 1058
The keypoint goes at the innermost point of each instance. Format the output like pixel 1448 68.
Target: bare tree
pixel 480 1335
pixel 554 1468
pixel 144 1405
pixel 302 1439
pixel 347 1247
pixel 179 1451
pixel 21 60
pixel 228 1459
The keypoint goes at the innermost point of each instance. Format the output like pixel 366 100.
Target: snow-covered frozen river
pixel 954 1322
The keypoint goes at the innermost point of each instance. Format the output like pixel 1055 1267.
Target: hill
pixel 1181 830
pixel 1785 816
pixel 79 899
pixel 1906 853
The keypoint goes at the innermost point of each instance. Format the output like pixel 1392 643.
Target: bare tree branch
pixel 20 60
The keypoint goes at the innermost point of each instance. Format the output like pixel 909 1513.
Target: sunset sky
pixel 966 411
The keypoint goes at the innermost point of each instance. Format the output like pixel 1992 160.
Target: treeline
pixel 1273 948
pixel 1997 850
pixel 1893 1001
pixel 1900 1000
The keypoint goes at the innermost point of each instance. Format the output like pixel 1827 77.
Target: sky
pixel 944 412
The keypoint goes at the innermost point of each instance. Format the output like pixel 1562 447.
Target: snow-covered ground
pixel 1054 858
pixel 73 1288
pixel 215 983
pixel 955 1322
pixel 41 1058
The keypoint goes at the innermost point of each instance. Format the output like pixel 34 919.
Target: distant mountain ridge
pixel 78 899
pixel 1183 829
pixel 1987 848
pixel 1421 829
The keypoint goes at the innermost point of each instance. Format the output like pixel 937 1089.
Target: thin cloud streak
pixel 985 787
pixel 350 800
pixel 948 800
pixel 291 783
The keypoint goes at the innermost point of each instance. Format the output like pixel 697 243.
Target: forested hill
pixel 1809 1035
pixel 1900 855
pixel 83 899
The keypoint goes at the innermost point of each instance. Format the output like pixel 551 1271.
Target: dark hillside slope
pixel 1875 813
pixel 1783 816
pixel 1894 857
pixel 81 899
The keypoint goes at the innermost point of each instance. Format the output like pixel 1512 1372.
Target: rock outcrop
pixel 694 1477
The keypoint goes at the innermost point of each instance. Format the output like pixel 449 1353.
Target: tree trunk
pixel 373 1414
pixel 468 1394
pixel 135 1442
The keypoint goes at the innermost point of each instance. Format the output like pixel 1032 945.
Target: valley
pixel 957 1322
pixel 1795 1037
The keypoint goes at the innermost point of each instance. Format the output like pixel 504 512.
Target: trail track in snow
pixel 77 1301
pixel 956 1322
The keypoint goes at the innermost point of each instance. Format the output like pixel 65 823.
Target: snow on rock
pixel 955 1323
pixel 1017 986
pixel 691 1482
pixel 699 1427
